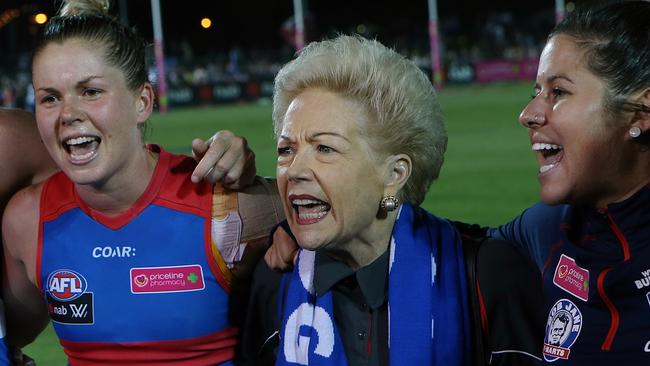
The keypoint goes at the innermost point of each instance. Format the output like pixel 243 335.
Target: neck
pixel 625 192
pixel 366 247
pixel 123 188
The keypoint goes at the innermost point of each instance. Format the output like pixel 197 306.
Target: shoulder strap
pixel 470 250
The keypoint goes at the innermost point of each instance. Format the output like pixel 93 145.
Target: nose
pixel 300 168
pixel 533 115
pixel 70 111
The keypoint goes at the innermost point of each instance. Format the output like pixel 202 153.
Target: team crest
pixel 562 330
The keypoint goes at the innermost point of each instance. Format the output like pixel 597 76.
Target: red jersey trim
pixel 39 245
pixel 116 222
pixel 207 350
pixel 613 326
pixel 551 255
pixel 625 246
pixel 613 311
pixel 213 260
pixel 481 303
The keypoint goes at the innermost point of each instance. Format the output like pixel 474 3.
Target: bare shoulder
pixel 20 225
pixel 25 308
pixel 23 158
pixel 15 125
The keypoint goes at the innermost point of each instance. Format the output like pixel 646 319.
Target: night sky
pixel 247 23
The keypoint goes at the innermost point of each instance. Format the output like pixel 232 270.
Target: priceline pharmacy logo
pixel 152 280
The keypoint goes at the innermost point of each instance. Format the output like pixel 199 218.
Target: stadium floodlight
pixel 206 23
pixel 40 18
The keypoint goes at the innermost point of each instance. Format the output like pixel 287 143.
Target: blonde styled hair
pixel 84 7
pixel 404 112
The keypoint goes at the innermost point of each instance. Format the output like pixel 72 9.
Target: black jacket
pixel 505 290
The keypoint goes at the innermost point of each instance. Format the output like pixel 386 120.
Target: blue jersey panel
pixel 150 280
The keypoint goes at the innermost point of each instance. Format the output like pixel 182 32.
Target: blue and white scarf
pixel 4 351
pixel 428 307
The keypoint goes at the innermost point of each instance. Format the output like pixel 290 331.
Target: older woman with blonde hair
pixel 360 139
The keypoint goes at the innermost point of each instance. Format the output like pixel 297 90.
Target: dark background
pixel 258 24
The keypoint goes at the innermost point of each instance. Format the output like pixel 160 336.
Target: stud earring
pixel 389 203
pixel 635 132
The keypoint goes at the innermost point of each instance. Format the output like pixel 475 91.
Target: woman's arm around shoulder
pixel 24 159
pixel 510 291
pixel 25 308
pixel 534 231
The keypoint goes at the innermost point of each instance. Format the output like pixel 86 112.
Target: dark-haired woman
pixel 589 123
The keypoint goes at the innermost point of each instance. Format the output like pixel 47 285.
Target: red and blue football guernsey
pixel 140 288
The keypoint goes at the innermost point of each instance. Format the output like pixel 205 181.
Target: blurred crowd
pixel 499 35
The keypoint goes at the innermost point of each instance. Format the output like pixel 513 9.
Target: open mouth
pixel 548 155
pixel 309 210
pixel 83 148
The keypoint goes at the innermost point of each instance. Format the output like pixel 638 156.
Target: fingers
pixel 224 157
pixel 242 173
pixel 282 253
pixel 199 147
pixel 210 166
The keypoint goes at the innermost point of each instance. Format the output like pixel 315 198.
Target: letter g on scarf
pixel 296 347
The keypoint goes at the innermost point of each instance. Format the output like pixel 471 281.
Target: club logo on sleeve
pixel 68 300
pixel 572 278
pixel 152 280
pixel 562 329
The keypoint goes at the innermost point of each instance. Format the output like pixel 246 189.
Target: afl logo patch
pixel 66 285
pixel 562 329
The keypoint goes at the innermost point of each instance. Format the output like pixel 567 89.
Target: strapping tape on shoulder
pixel 226 229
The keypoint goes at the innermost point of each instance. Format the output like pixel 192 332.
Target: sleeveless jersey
pixel 141 288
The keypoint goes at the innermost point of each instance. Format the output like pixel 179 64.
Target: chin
pixel 82 176
pixel 553 197
pixel 306 240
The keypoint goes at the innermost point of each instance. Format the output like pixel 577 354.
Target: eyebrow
pixel 319 134
pixel 552 78
pixel 86 80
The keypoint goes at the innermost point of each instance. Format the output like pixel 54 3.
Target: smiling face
pixel 86 114
pixel 581 150
pixel 330 180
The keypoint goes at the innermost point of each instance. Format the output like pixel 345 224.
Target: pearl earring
pixel 389 203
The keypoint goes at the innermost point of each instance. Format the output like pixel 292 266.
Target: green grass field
pixel 488 177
